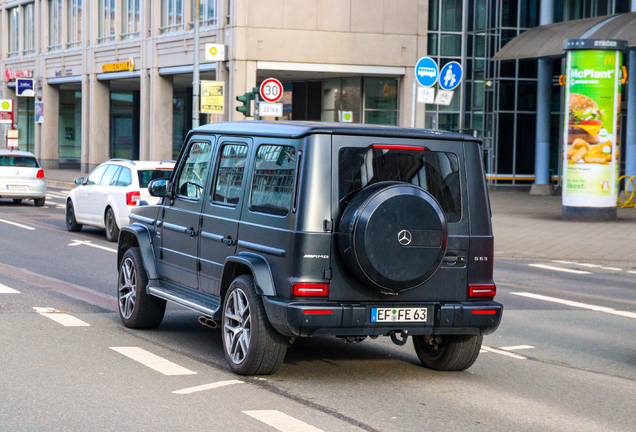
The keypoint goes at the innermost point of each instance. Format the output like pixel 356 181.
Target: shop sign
pixel 39 112
pixel 9 75
pixel 212 97
pixel 591 140
pixel 25 87
pixel 39 83
pixel 119 66
pixel 214 52
pixel 346 116
pixel 64 72
pixel 6 111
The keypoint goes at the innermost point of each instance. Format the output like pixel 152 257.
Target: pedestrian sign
pixel 450 76
pixel 426 72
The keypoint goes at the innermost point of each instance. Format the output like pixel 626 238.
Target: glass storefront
pixel 70 129
pixel 124 125
pixel 26 124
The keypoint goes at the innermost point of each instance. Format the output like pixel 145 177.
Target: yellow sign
pixel 119 66
pixel 212 97
pixel 6 105
pixel 213 51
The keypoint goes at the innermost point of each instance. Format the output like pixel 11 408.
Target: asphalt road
pixel 563 359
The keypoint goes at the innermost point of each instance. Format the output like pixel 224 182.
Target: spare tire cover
pixel 393 236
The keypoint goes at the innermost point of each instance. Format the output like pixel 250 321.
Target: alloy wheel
pixel 110 223
pixel 127 288
pixel 237 326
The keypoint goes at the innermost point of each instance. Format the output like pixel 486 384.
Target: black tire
pixel 17 200
pixel 137 309
pixel 448 352
pixel 71 223
pixel 112 230
pixel 266 348
pixel 39 202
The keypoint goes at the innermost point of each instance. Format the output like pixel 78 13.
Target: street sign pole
pixel 195 68
pixel 413 96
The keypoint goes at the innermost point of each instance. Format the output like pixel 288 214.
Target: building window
pixel 106 21
pixel 55 25
pixel 14 32
pixel 171 15
pixel 74 23
pixel 207 13
pixel 29 39
pixel 130 22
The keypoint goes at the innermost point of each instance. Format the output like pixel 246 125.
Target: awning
pixel 547 40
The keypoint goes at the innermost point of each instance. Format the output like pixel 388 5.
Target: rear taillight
pixel 132 198
pixel 398 147
pixel 318 312
pixel 40 174
pixel 304 289
pixel 483 290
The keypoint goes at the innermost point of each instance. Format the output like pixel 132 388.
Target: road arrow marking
pixel 88 243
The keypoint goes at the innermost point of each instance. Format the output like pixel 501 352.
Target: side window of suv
pixel 124 179
pixel 110 173
pixel 96 176
pixel 193 174
pixel 273 182
pixel 229 178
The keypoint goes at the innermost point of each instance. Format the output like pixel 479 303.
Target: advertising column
pixel 591 131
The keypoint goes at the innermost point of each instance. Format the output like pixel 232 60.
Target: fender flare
pixel 258 266
pixel 139 234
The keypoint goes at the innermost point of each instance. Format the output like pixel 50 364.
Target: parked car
pixel 21 177
pixel 278 230
pixel 104 199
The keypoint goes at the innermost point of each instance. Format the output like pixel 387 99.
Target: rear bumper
pixel 36 189
pixel 289 317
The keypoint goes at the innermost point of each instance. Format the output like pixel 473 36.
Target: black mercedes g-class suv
pixel 278 230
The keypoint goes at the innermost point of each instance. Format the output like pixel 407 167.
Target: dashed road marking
pixel 632 272
pixel 617 269
pixel 61 317
pixel 153 361
pixel 281 421
pixel 89 243
pixel 17 224
pixel 502 352
pixel 204 387
pixel 591 307
pixel 561 269
pixel 612 268
pixel 57 194
pixel 516 347
pixel 6 290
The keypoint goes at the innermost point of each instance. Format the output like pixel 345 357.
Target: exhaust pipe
pixel 208 322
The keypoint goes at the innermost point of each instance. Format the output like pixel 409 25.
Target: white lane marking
pixel 207 387
pixel 561 269
pixel 505 353
pixel 153 361
pixel 517 347
pixel 17 224
pixel 578 304
pixel 6 290
pixel 61 317
pixel 60 206
pixel 281 421
pixel 88 243
pixel 632 272
pixel 563 262
pixel 56 194
pixel 588 265
pixel 612 268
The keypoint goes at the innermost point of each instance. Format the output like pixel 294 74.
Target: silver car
pixel 21 177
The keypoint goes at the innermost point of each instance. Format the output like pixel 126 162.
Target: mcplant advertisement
pixel 591 130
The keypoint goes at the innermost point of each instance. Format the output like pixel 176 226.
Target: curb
pixel 60 184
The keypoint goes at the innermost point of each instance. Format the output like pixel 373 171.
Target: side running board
pixel 206 305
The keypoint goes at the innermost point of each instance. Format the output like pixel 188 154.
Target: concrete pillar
pixel 49 143
pixel 630 124
pixel 161 123
pixel 99 119
pixel 542 184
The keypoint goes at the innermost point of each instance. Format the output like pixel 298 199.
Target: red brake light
pixel 318 312
pixel 40 174
pixel 397 147
pixel 304 289
pixel 132 198
pixel 485 290
pixel 484 312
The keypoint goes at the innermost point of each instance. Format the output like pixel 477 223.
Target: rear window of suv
pixel 435 172
pixel 145 176
pixel 18 161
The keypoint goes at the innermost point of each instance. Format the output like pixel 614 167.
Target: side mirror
pixel 79 180
pixel 158 187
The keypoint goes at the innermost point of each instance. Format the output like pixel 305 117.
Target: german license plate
pixel 17 187
pixel 399 314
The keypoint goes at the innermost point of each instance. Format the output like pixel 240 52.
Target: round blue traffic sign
pixel 426 72
pixel 450 76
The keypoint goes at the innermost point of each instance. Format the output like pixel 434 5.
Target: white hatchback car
pixel 21 177
pixel 105 198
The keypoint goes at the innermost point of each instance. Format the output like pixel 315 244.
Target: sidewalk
pixel 525 226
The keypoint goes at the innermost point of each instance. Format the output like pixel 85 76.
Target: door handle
pixel 228 241
pixel 191 232
pixel 452 259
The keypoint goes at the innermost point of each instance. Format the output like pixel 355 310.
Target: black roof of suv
pixel 278 230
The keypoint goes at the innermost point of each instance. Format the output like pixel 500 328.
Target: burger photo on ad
pixel 585 119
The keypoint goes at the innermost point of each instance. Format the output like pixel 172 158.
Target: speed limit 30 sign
pixel 271 90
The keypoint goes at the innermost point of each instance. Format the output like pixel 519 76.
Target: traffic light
pixel 247 99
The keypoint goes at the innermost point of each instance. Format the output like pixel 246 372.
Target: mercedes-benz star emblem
pixel 405 237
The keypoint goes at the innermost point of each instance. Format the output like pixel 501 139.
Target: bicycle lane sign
pixel 426 72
